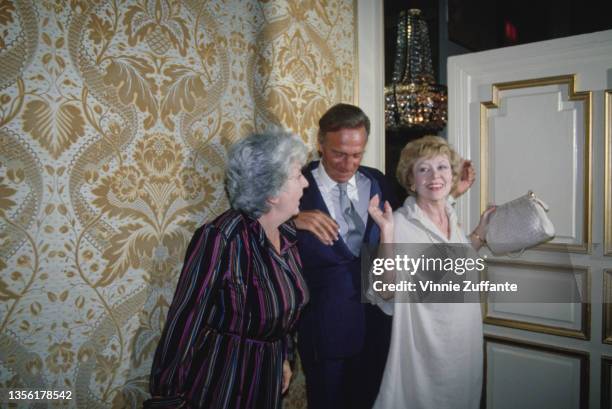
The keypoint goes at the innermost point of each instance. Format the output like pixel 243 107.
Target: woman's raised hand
pixel 384 219
pixel 467 176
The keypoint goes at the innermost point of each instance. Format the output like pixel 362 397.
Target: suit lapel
pixel 312 199
pixel 372 233
pixel 312 195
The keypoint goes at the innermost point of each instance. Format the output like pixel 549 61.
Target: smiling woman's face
pixel 433 178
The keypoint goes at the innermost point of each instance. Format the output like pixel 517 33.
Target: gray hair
pixel 258 167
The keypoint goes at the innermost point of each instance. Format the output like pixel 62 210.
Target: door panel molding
pixel 608 173
pixel 529 317
pixel 541 355
pixel 583 178
pixel 606 382
pixel 606 305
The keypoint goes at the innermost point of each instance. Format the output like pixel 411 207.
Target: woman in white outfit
pixel 436 354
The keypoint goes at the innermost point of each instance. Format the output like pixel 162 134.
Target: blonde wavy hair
pixel 425 147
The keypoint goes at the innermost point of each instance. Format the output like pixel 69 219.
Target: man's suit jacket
pixel 333 324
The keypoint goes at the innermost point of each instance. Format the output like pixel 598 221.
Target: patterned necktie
pixel 356 228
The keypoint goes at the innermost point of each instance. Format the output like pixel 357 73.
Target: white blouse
pixel 436 355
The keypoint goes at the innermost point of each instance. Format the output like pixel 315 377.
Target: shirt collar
pixel 288 234
pixel 255 228
pixel 415 212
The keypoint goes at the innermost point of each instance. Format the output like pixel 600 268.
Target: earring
pixel 413 187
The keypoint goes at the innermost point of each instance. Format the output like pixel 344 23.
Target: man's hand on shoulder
pixel 319 224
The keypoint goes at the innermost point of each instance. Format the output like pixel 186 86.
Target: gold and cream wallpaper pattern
pixel 115 116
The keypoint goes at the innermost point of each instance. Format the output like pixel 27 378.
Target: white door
pixel 539 117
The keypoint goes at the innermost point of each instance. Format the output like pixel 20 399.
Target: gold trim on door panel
pixel 585 313
pixel 582 356
pixel 606 305
pixel 606 370
pixel 573 95
pixel 608 174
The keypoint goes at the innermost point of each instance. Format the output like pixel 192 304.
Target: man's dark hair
pixel 342 116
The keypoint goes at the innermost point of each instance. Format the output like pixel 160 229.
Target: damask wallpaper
pixel 115 116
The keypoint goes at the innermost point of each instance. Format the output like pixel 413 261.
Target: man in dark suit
pixel 343 342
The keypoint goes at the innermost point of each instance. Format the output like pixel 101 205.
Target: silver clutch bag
pixel 519 224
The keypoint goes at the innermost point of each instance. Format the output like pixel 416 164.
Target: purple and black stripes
pixel 198 359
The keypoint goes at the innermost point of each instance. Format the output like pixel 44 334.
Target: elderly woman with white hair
pixel 227 341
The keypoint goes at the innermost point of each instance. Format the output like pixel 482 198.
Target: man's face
pixel 342 151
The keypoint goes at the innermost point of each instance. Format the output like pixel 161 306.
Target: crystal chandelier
pixel 413 99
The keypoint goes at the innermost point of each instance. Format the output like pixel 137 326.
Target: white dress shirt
pixel 357 189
